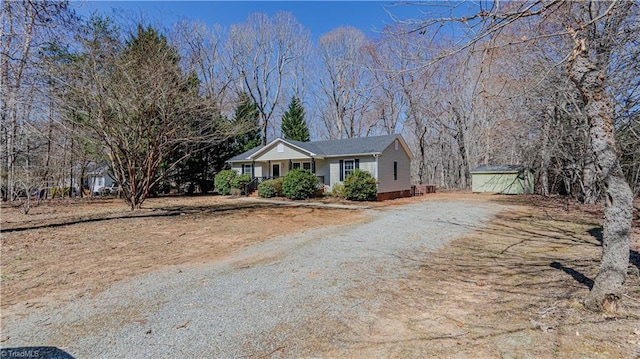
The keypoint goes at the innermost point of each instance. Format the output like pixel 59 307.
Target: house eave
pixel 270 144
pixel 355 154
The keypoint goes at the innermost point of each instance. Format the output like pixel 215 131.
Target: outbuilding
pixel 503 179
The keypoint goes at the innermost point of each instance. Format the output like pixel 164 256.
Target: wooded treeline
pixel 169 107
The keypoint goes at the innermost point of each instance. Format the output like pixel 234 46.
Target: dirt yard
pixel 44 259
pixel 498 292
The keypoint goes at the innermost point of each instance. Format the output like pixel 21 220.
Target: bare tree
pixel 599 30
pixel 388 101
pixel 25 26
pixel 265 51
pixel 203 53
pixel 587 67
pixel 343 86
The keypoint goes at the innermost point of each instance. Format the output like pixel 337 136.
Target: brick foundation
pixel 393 195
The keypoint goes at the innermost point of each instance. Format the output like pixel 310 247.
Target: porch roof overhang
pixel 303 151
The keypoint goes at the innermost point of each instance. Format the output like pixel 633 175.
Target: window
pixel 246 169
pixel 303 165
pixel 395 170
pixel 348 167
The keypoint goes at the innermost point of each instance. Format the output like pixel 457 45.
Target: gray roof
pixel 499 169
pixel 349 146
pixel 244 155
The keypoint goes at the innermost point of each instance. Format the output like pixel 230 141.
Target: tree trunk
pixel 461 129
pixel 589 79
pixel 546 155
pixel 589 180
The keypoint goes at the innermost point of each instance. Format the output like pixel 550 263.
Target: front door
pixel 275 170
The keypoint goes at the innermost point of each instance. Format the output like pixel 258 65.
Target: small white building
pixel 98 178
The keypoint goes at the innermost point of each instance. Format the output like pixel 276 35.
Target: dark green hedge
pixel 360 186
pixel 300 184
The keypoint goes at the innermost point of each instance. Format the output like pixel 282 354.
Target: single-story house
pixel 504 179
pixel 387 158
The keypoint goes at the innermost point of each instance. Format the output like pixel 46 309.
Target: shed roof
pixel 499 169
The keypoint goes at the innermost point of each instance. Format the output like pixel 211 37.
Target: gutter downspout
pixel 376 156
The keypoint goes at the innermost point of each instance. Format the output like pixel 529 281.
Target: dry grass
pixel 511 290
pixel 105 245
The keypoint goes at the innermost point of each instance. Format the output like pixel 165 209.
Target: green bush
pixel 337 190
pixel 239 182
pixel 360 186
pixel 299 184
pixel 270 188
pixel 223 181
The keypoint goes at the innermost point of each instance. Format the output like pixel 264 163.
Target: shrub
pixel 270 188
pixel 223 181
pixel 337 190
pixel 360 186
pixel 277 183
pixel 299 184
pixel 239 182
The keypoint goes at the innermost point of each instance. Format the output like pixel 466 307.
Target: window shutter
pixel 341 170
pixel 290 165
pixel 357 165
pixel 313 165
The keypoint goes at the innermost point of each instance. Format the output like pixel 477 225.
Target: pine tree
pixel 247 114
pixel 294 127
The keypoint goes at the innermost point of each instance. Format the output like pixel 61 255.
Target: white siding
pixel 237 167
pixel 386 183
pixel 322 169
pixel 334 171
pixel 367 163
pixel 258 169
pixel 288 153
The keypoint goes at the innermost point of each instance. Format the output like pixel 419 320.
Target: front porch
pixel 255 182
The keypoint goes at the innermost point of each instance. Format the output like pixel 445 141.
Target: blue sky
pixel 319 17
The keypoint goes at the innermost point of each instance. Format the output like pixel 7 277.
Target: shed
pixel 504 179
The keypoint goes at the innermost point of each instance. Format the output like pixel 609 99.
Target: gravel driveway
pixel 263 302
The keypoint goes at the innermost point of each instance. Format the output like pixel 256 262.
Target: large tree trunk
pixel 589 78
